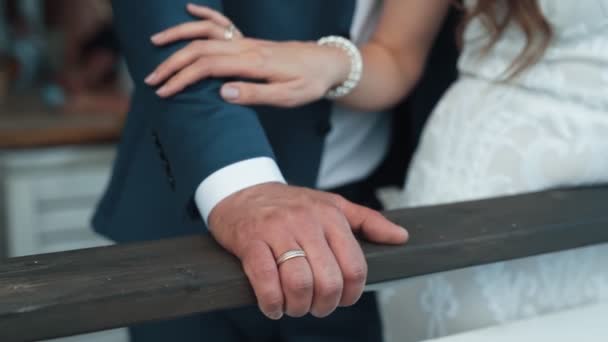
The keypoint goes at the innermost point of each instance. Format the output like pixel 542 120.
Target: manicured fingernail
pixel 162 91
pixel 230 93
pixel 151 78
pixel 156 39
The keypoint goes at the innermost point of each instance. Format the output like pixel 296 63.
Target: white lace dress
pixel 548 128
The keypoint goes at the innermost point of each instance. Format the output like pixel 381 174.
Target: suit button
pixel 323 128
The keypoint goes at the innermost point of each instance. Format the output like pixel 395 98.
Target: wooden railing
pixel 53 295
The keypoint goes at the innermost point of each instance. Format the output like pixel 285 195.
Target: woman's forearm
pixel 395 56
pixel 387 78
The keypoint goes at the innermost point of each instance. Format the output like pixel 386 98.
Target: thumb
pixel 373 225
pixel 268 94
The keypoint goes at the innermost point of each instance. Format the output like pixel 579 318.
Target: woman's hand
pixel 294 73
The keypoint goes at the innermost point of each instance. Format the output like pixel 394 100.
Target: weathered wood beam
pixel 52 295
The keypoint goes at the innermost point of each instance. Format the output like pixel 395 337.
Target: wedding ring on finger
pixel 295 253
pixel 230 33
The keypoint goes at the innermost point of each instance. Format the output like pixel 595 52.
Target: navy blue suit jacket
pixel 170 145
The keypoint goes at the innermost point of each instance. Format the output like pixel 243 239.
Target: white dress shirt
pixel 353 149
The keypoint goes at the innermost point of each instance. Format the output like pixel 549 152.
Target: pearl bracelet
pixel 356 65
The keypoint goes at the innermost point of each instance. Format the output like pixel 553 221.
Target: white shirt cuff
pixel 234 178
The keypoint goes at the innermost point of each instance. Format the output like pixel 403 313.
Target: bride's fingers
pixel 190 30
pixel 189 55
pixel 209 13
pixel 209 66
pixel 213 26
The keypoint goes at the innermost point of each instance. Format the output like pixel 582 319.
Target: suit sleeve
pixel 200 133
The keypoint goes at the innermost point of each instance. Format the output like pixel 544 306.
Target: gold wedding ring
pixel 230 32
pixel 295 253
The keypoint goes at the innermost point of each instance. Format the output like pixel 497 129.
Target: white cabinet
pixel 47 199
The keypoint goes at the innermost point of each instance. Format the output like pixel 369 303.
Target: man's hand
pixel 261 223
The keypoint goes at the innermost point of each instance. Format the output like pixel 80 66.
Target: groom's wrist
pixel 232 179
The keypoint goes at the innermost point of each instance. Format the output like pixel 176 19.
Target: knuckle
pixel 329 288
pixel 330 214
pixel 337 199
pixel 257 55
pixel 296 311
pixel 272 300
pixel 300 212
pixel 328 209
pixel 265 52
pixel 299 284
pixel 376 215
pixel 273 217
pixel 355 273
pixel 265 272
pixel 321 313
